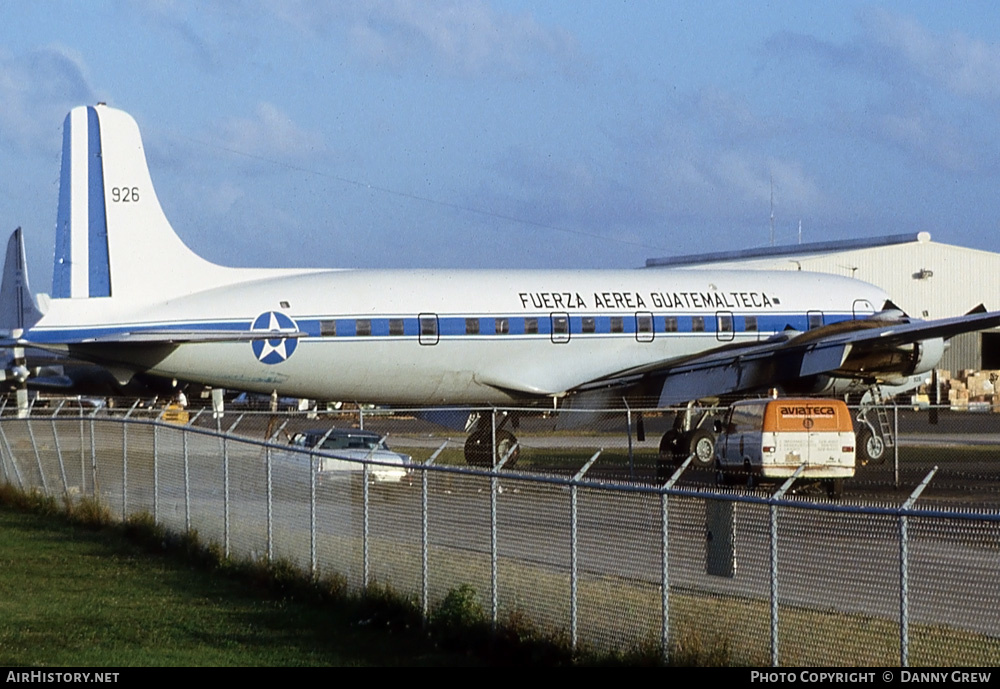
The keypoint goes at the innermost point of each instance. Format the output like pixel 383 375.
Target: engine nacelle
pixel 929 354
pixel 894 363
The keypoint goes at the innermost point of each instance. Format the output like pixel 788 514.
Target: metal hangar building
pixel 924 278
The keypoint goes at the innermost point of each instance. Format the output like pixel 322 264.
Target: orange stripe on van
pixel 807 415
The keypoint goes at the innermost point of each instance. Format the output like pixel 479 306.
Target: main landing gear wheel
pixel 479 444
pixel 701 443
pixel 871 447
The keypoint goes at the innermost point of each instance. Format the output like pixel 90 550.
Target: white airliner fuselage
pixel 432 337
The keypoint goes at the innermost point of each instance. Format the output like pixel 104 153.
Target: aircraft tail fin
pixel 112 237
pixel 17 305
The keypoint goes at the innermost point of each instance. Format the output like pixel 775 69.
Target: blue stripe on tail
pixel 61 268
pixel 100 272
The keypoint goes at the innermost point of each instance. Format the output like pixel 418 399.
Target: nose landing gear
pixel 480 450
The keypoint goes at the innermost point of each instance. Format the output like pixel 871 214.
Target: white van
pixel 771 438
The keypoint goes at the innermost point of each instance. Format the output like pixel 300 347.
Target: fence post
pixel 156 469
pixel 59 456
pixel 124 469
pixel 628 430
pixel 187 482
pixel 13 460
pixel 904 571
pixel 3 465
pixel 573 547
pixel 270 503
pixel 773 508
pixel 364 525
pixel 664 576
pixel 225 494
pixel 494 542
pixel 424 571
pixel 493 438
pixel 125 459
pixel 93 456
pixel 904 593
pixel 225 483
pixel 83 458
pixel 312 515
pixel 494 485
pixel 665 558
pixel 895 443
pixel 38 457
pixel 62 466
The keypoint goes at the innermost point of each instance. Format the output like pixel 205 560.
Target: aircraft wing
pixel 791 356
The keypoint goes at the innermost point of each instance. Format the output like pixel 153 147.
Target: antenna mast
pixel 772 209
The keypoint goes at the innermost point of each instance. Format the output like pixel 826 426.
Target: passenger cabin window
pixel 644 327
pixel 428 329
pixel 560 328
pixel 588 324
pixel 617 324
pixel 328 328
pixel 395 326
pixel 750 323
pixel 501 326
pixel 724 331
pixel 815 319
pixel 363 327
pixel 471 326
pixel 697 324
pixel 670 324
pixel 530 326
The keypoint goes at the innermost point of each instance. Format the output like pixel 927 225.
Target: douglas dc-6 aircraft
pixel 128 294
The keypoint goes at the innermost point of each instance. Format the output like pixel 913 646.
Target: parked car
pixel 343 449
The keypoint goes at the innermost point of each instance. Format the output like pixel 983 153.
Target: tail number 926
pixel 124 194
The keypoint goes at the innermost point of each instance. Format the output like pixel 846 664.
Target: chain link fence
pixel 578 539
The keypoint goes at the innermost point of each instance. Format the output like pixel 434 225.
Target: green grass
pixel 76 591
pixel 74 596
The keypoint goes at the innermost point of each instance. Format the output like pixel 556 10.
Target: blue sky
pixel 509 134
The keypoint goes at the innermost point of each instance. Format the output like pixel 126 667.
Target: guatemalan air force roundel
pixel 276 350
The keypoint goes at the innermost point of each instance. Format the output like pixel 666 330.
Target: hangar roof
pixel 926 279
pixel 787 250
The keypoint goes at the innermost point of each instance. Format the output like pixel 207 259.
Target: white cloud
pixel 964 65
pixel 928 94
pixel 175 18
pixel 271 134
pixel 936 140
pixel 456 36
pixel 37 89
